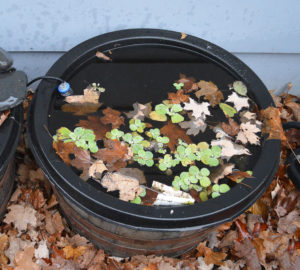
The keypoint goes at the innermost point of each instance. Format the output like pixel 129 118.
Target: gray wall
pixel 264 34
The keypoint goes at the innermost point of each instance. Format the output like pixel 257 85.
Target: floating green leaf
pixel 240 88
pixel 227 109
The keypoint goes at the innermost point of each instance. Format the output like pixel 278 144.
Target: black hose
pixel 45 78
pixel 289 125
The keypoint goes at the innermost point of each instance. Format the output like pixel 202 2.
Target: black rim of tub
pixel 102 205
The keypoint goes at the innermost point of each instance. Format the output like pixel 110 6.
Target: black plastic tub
pixel 144 61
pixel 9 137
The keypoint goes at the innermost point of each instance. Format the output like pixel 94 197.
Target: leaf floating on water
pixel 96 169
pixel 64 150
pixel 238 102
pixel 247 133
pixel 90 95
pixel 174 132
pixel 95 123
pixel 232 128
pixel 140 111
pixel 199 110
pixel 236 176
pixel 82 162
pixel 240 88
pixel 112 117
pixel 158 117
pixel 221 172
pixel 210 91
pixel 81 109
pixel 194 126
pixel 178 97
pixel 272 124
pixel 101 55
pixel 189 83
pixel 230 149
pixel 135 173
pixel 227 109
pixel 128 187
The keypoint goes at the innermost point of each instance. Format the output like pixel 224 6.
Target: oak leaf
pixel 194 126
pixel 112 117
pixel 178 97
pixel 247 133
pixel 82 161
pixel 295 107
pixel 272 124
pixel 135 173
pixel 232 128
pixel 96 169
pixel 230 149
pixel 95 123
pixel 210 257
pixel 210 91
pixel 238 102
pixel 72 253
pixel 23 260
pixel 140 111
pixel 21 216
pixel 64 150
pixel 90 96
pixel 221 172
pixel 199 110
pixel 235 176
pixel 174 132
pixel 189 83
pixel 128 187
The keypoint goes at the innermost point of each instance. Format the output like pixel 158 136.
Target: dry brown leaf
pixel 114 155
pixel 21 216
pixel 295 107
pixel 194 126
pixel 95 123
pixel 135 173
pixel 210 257
pixel 140 111
pixel 64 150
pixel 23 260
pixel 290 223
pixel 276 99
pixel 37 199
pixel 259 208
pixel 77 240
pixel 272 124
pixel 232 128
pixel 230 148
pixel 96 169
pixel 178 97
pixel 4 244
pixel 101 55
pixel 54 223
pixel 174 132
pixel 90 96
pixel 128 187
pixel 189 83
pixel 183 35
pixel 112 117
pixel 73 253
pixel 210 91
pixel 3 116
pixel 81 109
pixel 82 162
pixel 247 133
pixel 221 172
pixel 237 175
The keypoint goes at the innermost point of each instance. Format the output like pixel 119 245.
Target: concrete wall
pixel 264 34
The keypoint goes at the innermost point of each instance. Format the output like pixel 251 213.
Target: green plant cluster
pixel 170 109
pixel 138 199
pixel 178 86
pixel 83 138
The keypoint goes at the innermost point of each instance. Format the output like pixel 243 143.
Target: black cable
pixel 45 78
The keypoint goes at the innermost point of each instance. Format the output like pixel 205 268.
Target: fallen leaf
pixel 112 117
pixel 64 150
pixel 158 117
pixel 23 260
pixel 242 230
pixel 73 253
pixel 3 116
pixel 210 91
pixel 101 55
pixel 90 96
pixel 78 240
pixel 174 132
pixel 240 88
pixel 178 97
pixel 42 251
pixel 81 109
pixel 246 250
pixel 290 223
pixel 228 239
pixel 140 111
pixel 221 172
pixel 259 208
pixel 4 244
pixel 128 187
pixel 189 83
pixel 272 124
pixel 82 162
pixel 230 149
pixel 21 216
pixel 276 99
pixel 96 169
pixel 293 135
pixel 199 110
pixel 232 128
pixel 247 133
pixel 94 123
pixel 194 126
pixel 54 223
pixel 210 257
pixel 235 176
pixel 114 155
pixel 238 102
pixel 135 173
pixel 183 35
pixel 37 199
pixel 295 107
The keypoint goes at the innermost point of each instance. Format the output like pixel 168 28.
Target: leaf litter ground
pixel 267 236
